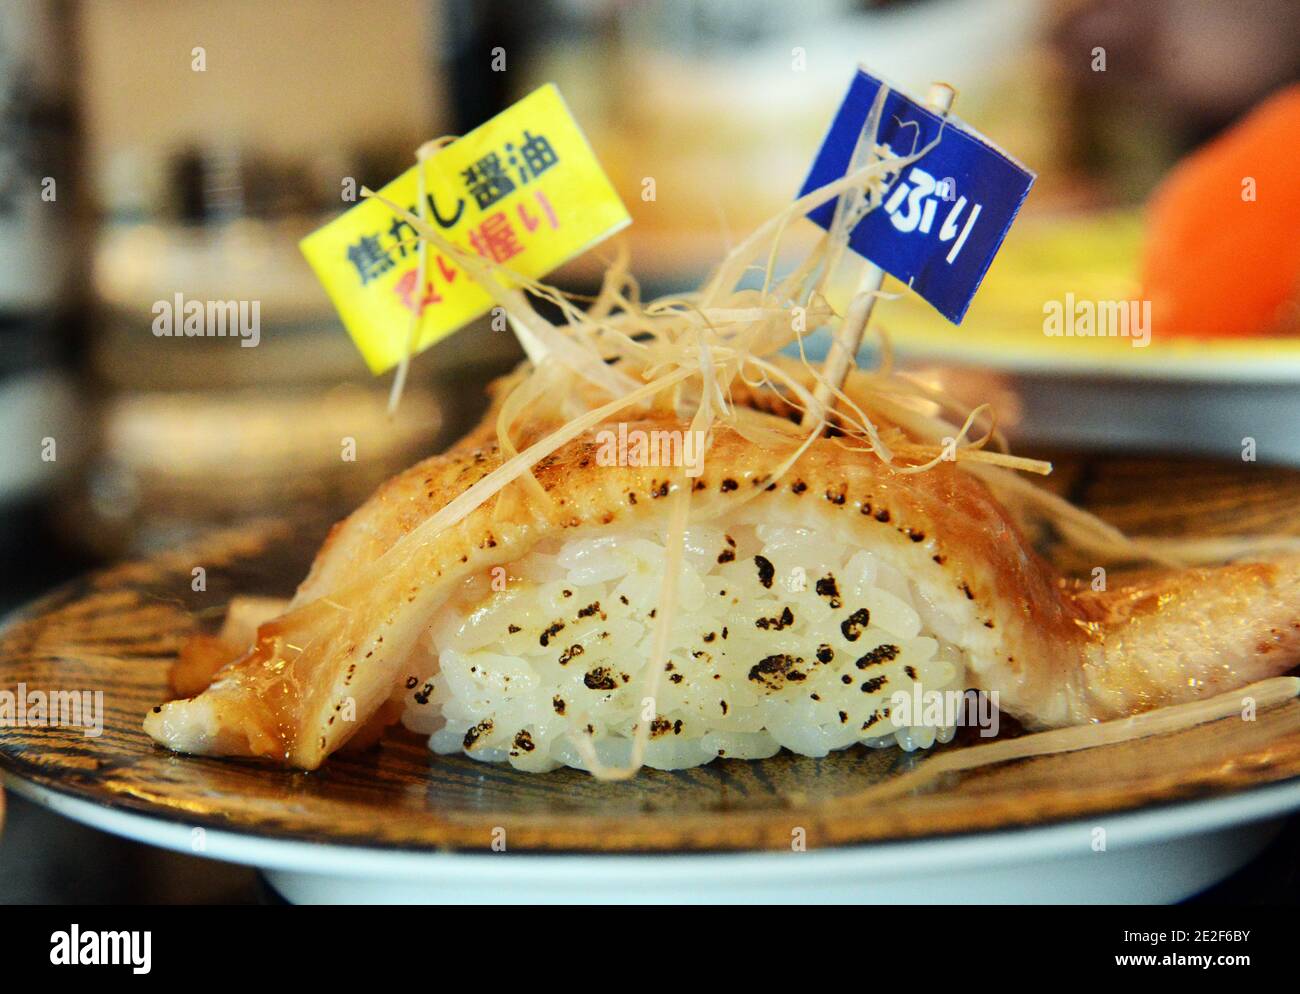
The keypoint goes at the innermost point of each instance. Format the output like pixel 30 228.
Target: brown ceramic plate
pixel 118 631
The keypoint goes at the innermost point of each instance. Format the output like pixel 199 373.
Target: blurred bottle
pixel 38 308
pixel 1148 82
pixel 212 430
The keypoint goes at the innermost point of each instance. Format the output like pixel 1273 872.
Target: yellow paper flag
pixel 524 190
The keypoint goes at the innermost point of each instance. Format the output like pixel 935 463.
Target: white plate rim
pixel 1159 367
pixel 1155 364
pixel 1124 829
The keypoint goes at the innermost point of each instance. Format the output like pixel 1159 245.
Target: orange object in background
pixel 1222 256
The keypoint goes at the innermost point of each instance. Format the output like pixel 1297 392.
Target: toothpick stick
pixel 848 337
pixel 422 155
pixel 533 348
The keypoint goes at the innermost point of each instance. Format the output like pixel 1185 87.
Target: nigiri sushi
pixel 555 591
pixel 525 632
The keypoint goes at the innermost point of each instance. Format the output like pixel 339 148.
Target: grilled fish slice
pixel 331 667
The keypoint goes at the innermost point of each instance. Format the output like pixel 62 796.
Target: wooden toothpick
pixel 848 337
pixel 532 347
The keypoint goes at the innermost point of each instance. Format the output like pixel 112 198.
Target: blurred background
pixel 150 147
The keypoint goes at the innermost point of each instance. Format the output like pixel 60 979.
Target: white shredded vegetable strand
pixel 685 355
pixel 1265 693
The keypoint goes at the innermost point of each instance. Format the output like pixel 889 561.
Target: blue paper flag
pixel 942 218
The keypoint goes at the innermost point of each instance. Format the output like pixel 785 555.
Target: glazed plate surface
pixel 1155 819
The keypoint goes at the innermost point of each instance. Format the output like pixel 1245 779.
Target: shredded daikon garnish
pixel 1264 694
pixel 684 355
